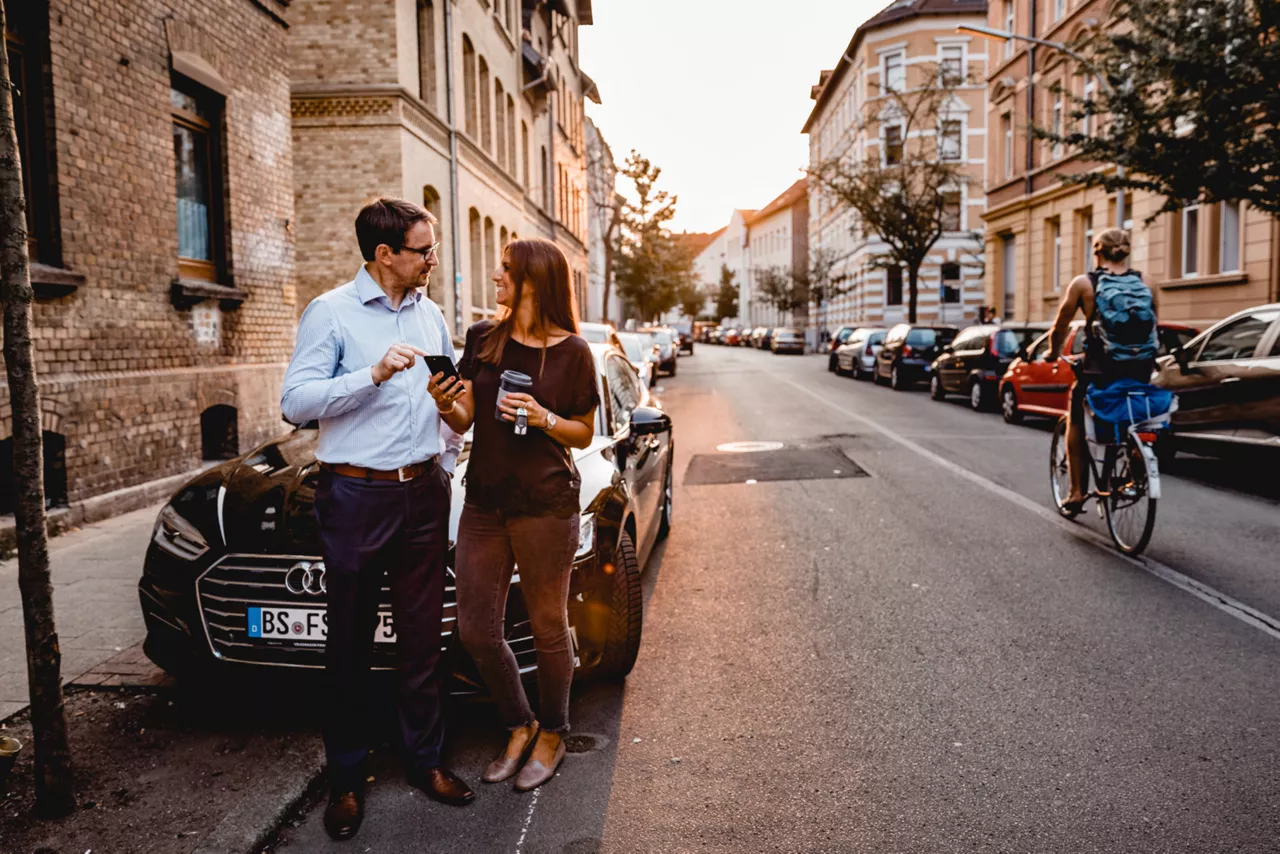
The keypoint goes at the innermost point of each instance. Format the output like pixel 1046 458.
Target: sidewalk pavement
pixel 95 601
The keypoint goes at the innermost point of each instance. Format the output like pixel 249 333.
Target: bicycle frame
pixel 1132 436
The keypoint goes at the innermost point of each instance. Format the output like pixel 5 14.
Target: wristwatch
pixel 551 421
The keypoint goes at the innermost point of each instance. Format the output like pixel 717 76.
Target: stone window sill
pixel 50 282
pixel 1214 281
pixel 184 293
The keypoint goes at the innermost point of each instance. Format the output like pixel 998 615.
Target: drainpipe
pixel 453 168
pixel 1031 153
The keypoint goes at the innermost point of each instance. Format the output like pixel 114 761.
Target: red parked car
pixel 732 337
pixel 1033 386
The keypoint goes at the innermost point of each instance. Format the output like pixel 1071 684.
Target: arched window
pixel 54 449
pixel 546 183
pixel 469 86
pixel 477 264
pixel 511 135
pixel 524 152
pixel 491 260
pixel 427 52
pixel 219 433
pixel 431 201
pixel 500 109
pixel 486 113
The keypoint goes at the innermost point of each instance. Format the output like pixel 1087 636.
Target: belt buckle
pixel 401 475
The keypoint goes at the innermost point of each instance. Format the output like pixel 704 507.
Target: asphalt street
pixel 922 659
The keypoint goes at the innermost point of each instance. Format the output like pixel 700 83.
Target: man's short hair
pixel 387 221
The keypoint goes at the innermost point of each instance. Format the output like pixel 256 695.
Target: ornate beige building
pixel 474 107
pixel 904 45
pixel 1205 262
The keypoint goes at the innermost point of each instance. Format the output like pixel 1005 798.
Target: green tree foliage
pixel 692 299
pixel 1192 107
pixel 726 294
pixel 651 266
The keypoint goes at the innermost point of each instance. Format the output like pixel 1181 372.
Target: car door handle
pixel 1226 380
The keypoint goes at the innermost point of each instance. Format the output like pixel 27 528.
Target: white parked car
pixel 642 353
pixel 857 355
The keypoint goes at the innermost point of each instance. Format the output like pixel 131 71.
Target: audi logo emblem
pixel 306 577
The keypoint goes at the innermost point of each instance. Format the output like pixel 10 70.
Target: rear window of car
pixel 1009 342
pixel 876 337
pixel 925 337
pixel 661 337
pixel 595 335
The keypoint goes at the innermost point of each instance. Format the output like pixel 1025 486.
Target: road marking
pixel 528 820
pixel 1200 590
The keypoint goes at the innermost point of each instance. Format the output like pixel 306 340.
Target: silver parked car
pixel 857 355
pixel 642 353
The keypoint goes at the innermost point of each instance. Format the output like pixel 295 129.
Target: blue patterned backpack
pixel 1124 316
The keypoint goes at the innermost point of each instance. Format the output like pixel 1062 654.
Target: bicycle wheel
pixel 1059 470
pixel 1130 509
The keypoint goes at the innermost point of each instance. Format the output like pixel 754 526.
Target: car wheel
pixel 664 523
pixel 674 364
pixel 895 380
pixel 977 396
pixel 1009 406
pixel 626 612
pixel 833 364
pixel 936 391
pixel 875 375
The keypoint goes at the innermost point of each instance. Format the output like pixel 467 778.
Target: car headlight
pixel 586 535
pixel 177 536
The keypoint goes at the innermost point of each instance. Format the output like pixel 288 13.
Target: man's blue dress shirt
pixel 342 335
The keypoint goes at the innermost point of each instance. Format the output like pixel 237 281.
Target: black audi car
pixel 234 579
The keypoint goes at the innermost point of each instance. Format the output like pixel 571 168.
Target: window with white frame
pixel 892 145
pixel 1086 232
pixel 1006 125
pixel 1087 92
pixel 1008 27
pixel 1059 110
pixel 952 206
pixel 1059 9
pixel 1229 237
pixel 1190 240
pixel 895 72
pixel 949 139
pixel 1055 253
pixel 951 65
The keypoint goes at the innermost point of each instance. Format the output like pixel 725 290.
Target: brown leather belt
pixel 401 474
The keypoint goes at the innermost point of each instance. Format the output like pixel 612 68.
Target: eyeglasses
pixel 425 251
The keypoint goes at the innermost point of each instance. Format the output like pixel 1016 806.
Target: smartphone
pixel 441 365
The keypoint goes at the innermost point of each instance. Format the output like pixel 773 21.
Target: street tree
pixel 794 291
pixel 650 265
pixel 53 780
pixel 899 188
pixel 1190 101
pixel 726 294
pixel 692 299
pixel 607 208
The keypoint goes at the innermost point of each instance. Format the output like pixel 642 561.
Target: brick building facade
pixel 156 148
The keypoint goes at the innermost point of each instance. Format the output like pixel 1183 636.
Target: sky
pixel 714 91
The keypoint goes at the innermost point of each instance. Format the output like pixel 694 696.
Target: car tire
pixel 626 613
pixel 833 364
pixel 875 375
pixel 895 380
pixel 936 391
pixel 668 500
pixel 1009 406
pixel 978 396
pixel 674 365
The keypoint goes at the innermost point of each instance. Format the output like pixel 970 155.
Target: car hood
pixel 265 501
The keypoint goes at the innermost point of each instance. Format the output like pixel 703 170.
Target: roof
pixel 788 198
pixel 589 89
pixel 696 241
pixel 899 10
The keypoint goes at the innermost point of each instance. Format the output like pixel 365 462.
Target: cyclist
pixel 1120 340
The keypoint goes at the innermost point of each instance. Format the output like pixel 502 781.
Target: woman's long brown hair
pixel 539 272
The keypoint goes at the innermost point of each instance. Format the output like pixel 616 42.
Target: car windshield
pixel 635 345
pixel 594 333
pixel 786 333
pixel 661 337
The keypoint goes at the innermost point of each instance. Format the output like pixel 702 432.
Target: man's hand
pixel 398 358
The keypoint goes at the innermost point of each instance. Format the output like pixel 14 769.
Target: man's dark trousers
pixel 368 527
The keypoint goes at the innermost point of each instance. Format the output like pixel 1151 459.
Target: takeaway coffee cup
pixel 512 382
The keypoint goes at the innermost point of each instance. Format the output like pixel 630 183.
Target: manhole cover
pixel 811 462
pixel 747 447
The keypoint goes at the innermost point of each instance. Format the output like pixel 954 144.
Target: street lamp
pixel 1005 35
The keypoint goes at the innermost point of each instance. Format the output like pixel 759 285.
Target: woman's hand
pixel 445 392
pixel 537 413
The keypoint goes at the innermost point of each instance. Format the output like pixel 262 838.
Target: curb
pixel 258 817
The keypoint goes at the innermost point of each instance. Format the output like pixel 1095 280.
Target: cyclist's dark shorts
pixel 1140 370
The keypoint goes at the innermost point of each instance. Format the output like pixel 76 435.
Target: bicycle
pixel 1128 480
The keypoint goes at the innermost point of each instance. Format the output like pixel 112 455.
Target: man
pixel 383 495
pixel 1122 343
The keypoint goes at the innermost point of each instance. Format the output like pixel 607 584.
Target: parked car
pixel 1228 384
pixel 837 341
pixel 684 332
pixel 600 333
pixel 857 355
pixel 731 337
pixel 668 352
pixel 713 335
pixel 787 340
pixel 1033 386
pixel 907 355
pixel 242 537
pixel 642 351
pixel 974 363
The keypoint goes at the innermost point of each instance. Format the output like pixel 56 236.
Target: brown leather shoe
pixel 343 815
pixel 444 786
pixel 506 765
pixel 534 773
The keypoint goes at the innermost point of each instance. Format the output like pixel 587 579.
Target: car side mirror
pixel 947 349
pixel 1184 361
pixel 1022 354
pixel 649 421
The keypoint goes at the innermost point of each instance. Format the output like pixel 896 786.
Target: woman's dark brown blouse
pixel 533 474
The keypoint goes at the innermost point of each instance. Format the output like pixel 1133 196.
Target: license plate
pixel 304 625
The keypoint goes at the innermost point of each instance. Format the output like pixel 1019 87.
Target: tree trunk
pixel 913 295
pixel 44 659
pixel 608 279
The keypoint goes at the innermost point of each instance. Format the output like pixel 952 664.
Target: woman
pixel 522 494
